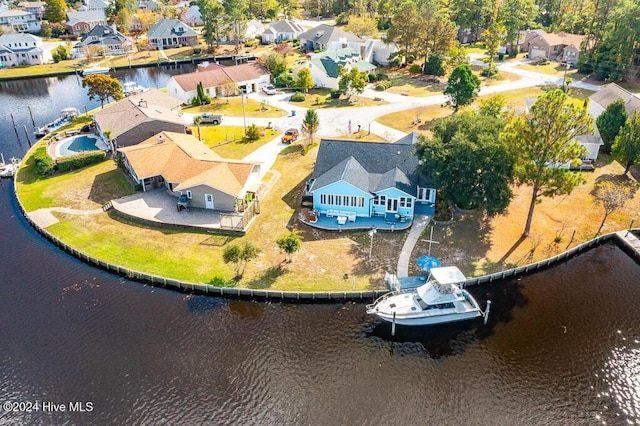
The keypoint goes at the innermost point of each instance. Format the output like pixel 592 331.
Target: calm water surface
pixel 562 347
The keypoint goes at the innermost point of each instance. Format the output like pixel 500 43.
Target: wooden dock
pixel 630 241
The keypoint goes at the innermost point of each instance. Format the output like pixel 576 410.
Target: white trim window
pixel 189 195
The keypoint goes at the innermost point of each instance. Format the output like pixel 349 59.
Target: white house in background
pixel 378 52
pixel 193 16
pixel 253 29
pixel 248 77
pixel 22 49
pixel 280 31
pixel 20 21
pixel 35 7
pixel 94 5
pixel 324 66
pixel 327 37
pixel 148 5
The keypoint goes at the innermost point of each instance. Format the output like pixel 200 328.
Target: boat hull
pixel 431 320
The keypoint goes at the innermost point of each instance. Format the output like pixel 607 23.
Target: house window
pixel 338 200
pixel 345 200
pixel 380 200
pixel 189 195
pixel 353 201
pixel 406 202
pixel 360 201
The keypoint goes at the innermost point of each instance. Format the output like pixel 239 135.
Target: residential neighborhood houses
pixel 562 47
pixel 83 21
pixel 103 40
pixel 22 49
pixel 247 78
pixel 324 66
pixel 171 33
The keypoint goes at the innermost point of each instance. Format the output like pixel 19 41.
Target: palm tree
pixel 310 125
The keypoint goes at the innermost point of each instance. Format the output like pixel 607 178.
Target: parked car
pixel 290 136
pixel 211 118
pixel 269 89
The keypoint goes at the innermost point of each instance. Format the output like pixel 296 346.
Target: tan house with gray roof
pixel 136 118
pixel 184 165
pixel 562 47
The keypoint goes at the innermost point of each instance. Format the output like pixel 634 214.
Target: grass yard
pixel 86 189
pixel 403 120
pixel 152 250
pixel 227 141
pixel 479 244
pixel 413 85
pixel 320 98
pixel 233 107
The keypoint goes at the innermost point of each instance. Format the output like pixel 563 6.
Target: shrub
pixel 384 85
pixel 197 50
pixel 415 69
pixel 44 163
pixel 297 97
pixel 296 43
pixel 253 132
pixel 76 161
pixel 382 77
pixel 489 71
pixel 372 78
pixel 250 43
pixel 335 94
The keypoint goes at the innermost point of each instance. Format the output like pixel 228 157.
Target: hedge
pixel 44 163
pixel 76 161
pixel 297 97
pixel 380 87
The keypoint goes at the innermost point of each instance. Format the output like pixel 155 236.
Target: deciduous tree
pixel 404 28
pixel 290 243
pixel 541 141
pixel 626 148
pixel 304 81
pixel 612 195
pixel 310 125
pixel 351 82
pixel 362 26
pixel 55 10
pixel 240 256
pixel 211 12
pixel 462 88
pixel 103 87
pixel 468 163
pixel 493 38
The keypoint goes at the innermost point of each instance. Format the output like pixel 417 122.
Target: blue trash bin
pixel 293 112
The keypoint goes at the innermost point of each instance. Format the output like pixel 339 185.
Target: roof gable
pixel 167 27
pixel 324 34
pixel 609 93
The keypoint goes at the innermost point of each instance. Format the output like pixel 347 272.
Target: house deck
pixel 382 223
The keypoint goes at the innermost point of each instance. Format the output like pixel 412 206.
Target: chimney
pixel 142 103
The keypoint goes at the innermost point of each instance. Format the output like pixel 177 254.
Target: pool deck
pixel 53 144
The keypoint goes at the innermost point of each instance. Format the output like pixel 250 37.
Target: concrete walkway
pixel 419 224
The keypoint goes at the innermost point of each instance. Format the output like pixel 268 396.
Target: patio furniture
pixel 342 220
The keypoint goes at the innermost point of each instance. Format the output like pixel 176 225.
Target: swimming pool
pixel 79 143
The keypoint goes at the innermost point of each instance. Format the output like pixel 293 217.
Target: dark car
pixel 290 136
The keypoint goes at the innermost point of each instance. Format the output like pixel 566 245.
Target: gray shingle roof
pixel 169 27
pixel 324 34
pixel 284 26
pixel 611 92
pixel 85 16
pixel 370 166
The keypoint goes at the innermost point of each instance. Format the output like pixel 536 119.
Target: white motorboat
pixel 66 115
pixel 132 88
pixel 9 169
pixel 440 299
pixel 95 70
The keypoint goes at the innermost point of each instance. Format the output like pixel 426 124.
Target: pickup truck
pixel 211 118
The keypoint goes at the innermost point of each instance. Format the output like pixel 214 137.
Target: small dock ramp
pixel 630 241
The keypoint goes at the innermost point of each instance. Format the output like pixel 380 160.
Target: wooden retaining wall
pixel 319 297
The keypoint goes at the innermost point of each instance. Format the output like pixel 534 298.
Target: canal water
pixel 561 347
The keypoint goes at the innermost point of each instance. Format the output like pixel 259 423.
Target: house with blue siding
pixel 353 180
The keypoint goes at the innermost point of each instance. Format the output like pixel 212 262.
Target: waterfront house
pixel 193 16
pixel 83 21
pixel 328 37
pixel 561 47
pixel 280 31
pixel 171 33
pixel 253 28
pixel 138 117
pixel 19 21
pixel 246 77
pixel 103 40
pixel 353 180
pixel 184 165
pixel 324 66
pixel 22 49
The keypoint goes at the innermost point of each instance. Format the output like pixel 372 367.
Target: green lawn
pixel 413 85
pixel 233 107
pixel 228 142
pixel 321 98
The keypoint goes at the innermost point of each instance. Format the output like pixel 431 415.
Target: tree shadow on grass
pixel 109 186
pixel 268 277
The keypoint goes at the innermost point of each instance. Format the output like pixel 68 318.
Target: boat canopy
pixel 447 275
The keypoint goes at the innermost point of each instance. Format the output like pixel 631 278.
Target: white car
pixel 269 89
